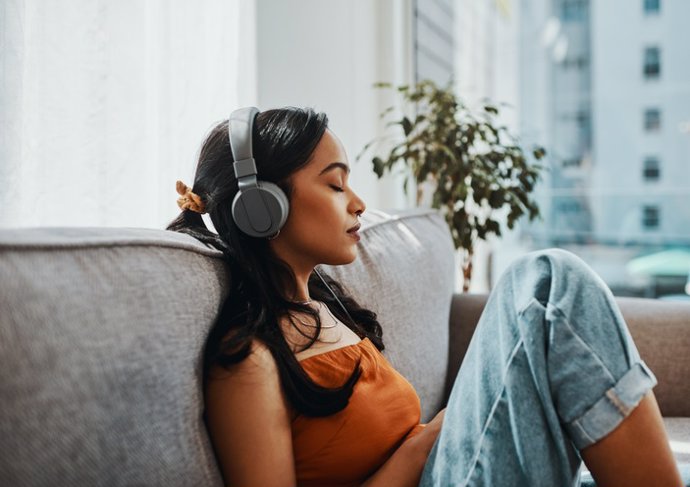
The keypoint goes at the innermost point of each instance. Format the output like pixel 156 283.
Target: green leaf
pixel 492 226
pixel 386 112
pixel 378 166
pixel 406 125
pixel 496 199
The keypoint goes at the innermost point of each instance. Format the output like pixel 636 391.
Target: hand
pixel 405 466
pixel 428 435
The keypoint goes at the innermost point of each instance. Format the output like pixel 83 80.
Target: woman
pixel 297 392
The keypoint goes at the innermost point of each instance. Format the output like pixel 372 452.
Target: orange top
pixel 345 448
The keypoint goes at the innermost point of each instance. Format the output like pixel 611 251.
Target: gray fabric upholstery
pixel 101 335
pixel 102 330
pixel 678 430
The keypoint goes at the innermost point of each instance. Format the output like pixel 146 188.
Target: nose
pixel 357 204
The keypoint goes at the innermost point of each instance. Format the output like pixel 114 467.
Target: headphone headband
pixel 240 127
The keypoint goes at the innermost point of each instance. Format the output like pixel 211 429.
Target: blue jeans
pixel 550 370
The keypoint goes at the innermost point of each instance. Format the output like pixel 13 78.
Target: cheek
pixel 305 222
pixel 315 212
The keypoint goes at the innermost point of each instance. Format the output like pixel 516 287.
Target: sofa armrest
pixel 465 310
pixel 661 330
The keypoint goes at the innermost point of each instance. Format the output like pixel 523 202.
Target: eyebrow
pixel 334 165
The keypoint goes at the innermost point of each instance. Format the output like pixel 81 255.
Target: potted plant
pixel 476 167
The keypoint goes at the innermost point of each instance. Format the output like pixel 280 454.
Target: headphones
pixel 259 208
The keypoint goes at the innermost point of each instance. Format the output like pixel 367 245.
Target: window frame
pixel 651 7
pixel 651 169
pixel 651 217
pixel 651 124
pixel 651 62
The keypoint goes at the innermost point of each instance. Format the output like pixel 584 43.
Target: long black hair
pixel 283 142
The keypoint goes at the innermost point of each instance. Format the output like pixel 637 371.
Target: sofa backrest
pixel 101 335
pixel 102 332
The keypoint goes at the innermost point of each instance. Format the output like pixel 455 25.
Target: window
pixel 582 119
pixel 569 207
pixel 633 157
pixel 652 6
pixel 576 62
pixel 650 217
pixel 652 119
pixel 651 171
pixel 102 39
pixel 652 63
pixel 573 10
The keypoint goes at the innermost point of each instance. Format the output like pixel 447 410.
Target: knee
pixel 554 259
pixel 553 270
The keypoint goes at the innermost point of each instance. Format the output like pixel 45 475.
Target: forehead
pixel 329 156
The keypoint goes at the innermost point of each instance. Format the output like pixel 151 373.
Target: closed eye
pixel 336 188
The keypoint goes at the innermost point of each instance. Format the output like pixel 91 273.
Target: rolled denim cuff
pixel 613 407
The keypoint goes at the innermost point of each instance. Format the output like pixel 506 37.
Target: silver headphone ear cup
pixel 260 211
pixel 281 200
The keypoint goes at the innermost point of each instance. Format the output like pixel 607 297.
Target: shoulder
pixel 259 362
pixel 248 417
pixel 252 385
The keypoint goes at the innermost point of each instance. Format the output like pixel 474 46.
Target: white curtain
pixel 103 104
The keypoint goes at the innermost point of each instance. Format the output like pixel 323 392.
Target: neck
pixel 301 289
pixel 301 267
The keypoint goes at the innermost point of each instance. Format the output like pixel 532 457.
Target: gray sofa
pixel 102 331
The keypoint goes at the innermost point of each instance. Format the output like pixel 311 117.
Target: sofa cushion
pixel 678 430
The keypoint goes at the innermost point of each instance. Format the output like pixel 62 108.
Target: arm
pixel 404 468
pixel 249 422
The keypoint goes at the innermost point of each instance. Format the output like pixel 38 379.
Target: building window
pixel 652 6
pixel 572 207
pixel 652 120
pixel 576 62
pixel 572 162
pixel 651 171
pixel 573 10
pixel 582 119
pixel 650 217
pixel 652 63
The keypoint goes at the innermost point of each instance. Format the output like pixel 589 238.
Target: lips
pixel 355 228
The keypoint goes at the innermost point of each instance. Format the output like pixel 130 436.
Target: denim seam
pixel 581 430
pixel 584 343
pixel 494 406
pixel 521 311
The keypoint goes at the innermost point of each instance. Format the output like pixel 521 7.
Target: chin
pixel 343 259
